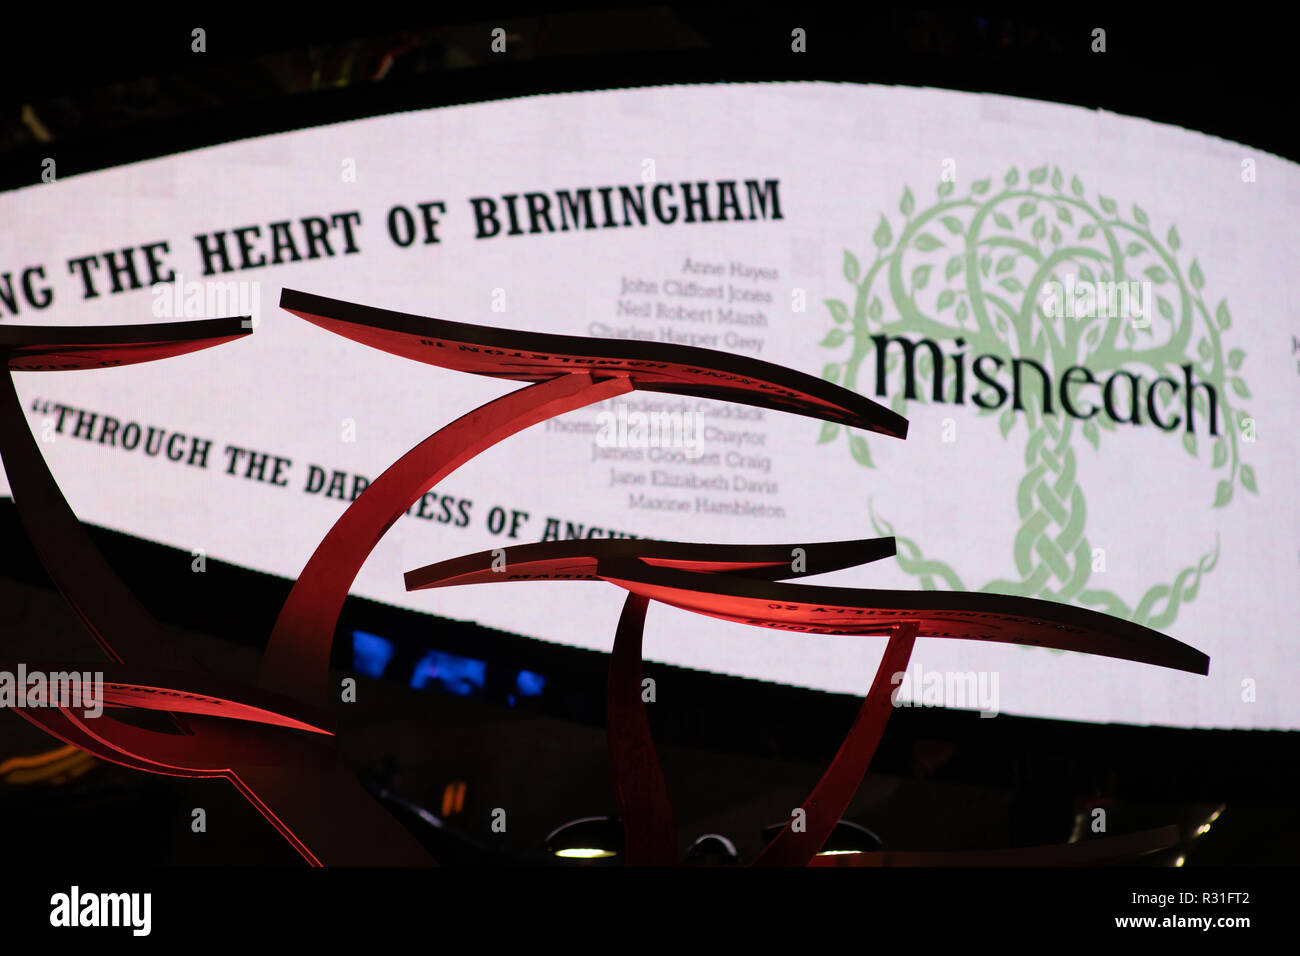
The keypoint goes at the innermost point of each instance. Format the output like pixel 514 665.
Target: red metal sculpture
pixel 276 750
pixel 739 583
pixel 276 742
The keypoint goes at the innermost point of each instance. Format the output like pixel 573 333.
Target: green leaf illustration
pixel 1221 315
pixel 1223 494
pixel 835 337
pixel 927 243
pixel 861 453
pixel 1248 479
pixel 851 266
pixel 839 311
pixel 1006 422
pixel 883 236
pixel 907 204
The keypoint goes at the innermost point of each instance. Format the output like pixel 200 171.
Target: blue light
pixel 371 653
pixel 458 675
pixel 530 684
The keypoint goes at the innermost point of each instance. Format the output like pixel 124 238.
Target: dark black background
pixel 108 73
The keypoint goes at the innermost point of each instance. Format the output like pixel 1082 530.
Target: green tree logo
pixel 977 268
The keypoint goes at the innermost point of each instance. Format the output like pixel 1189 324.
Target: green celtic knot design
pixel 976 268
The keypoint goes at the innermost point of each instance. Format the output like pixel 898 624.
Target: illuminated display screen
pixel 1082 316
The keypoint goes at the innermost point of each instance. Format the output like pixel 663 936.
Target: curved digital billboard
pixel 1082 316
